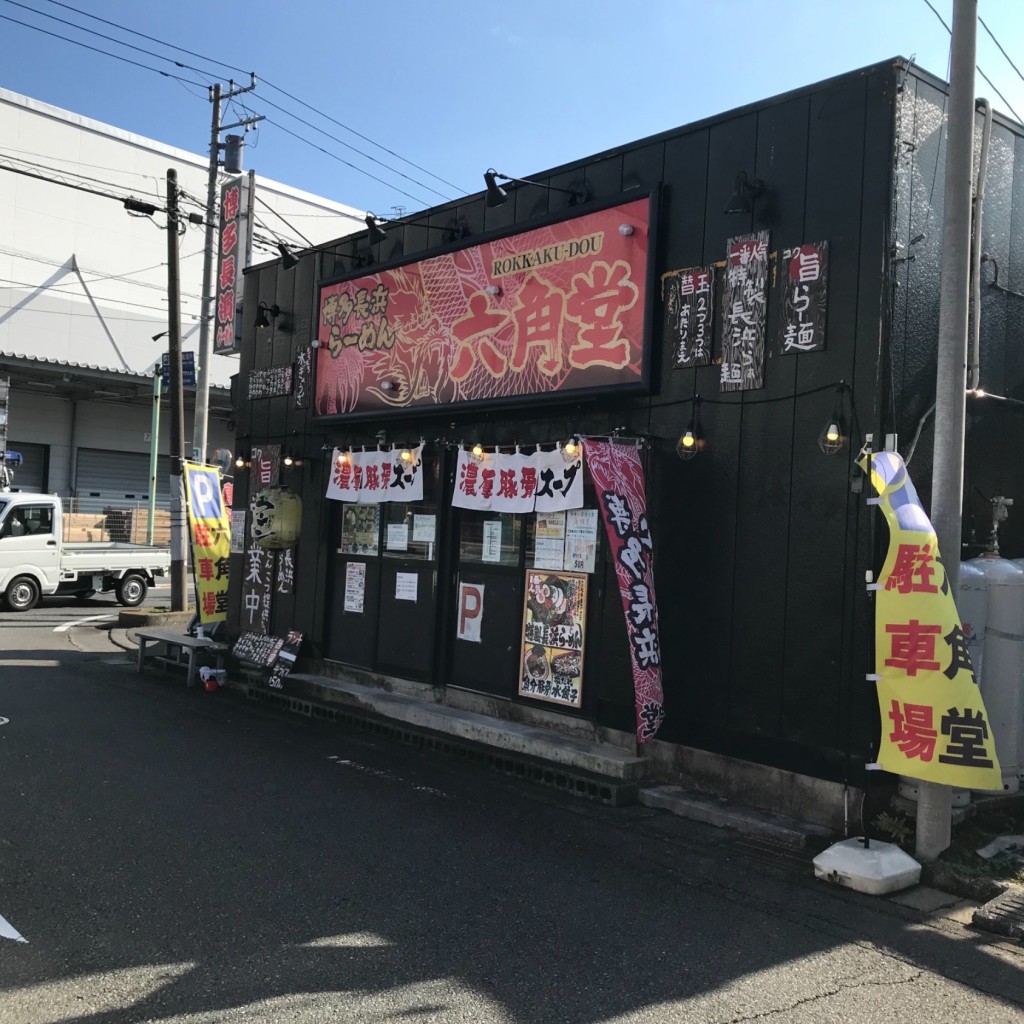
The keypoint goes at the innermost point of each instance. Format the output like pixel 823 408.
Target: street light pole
pixel 934 801
pixel 154 448
pixel 177 440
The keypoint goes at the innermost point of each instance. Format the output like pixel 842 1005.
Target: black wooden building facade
pixel 761 540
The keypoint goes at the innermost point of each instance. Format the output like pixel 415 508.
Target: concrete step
pixel 515 738
pixel 718 811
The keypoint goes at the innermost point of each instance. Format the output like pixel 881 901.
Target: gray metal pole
pixel 154 449
pixel 202 415
pixel 177 447
pixel 934 801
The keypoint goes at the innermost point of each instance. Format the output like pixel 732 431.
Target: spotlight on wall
pixel 263 314
pixel 571 448
pixel 288 258
pixel 744 192
pixel 692 440
pixel 496 195
pixel 478 450
pixel 625 230
pixel 494 290
pixel 377 233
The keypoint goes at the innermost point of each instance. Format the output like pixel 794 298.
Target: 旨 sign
pixel 376 476
pixel 210 532
pixel 803 287
pixel 557 309
pixel 505 482
pixel 689 301
pixel 934 723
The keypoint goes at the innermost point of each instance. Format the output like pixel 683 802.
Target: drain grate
pixel 1004 915
pixel 583 784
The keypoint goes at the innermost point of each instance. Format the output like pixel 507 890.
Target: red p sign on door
pixel 471 611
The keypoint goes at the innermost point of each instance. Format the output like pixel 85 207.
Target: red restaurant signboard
pixel 556 309
pixel 230 262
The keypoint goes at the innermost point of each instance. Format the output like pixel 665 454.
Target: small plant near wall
pixel 897 826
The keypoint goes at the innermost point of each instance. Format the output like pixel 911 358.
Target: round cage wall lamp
pixel 834 434
pixel 691 442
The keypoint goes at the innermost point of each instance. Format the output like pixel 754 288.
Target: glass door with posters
pixel 487 602
pixel 382 592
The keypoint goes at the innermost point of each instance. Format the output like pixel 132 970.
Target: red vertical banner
pixel 619 481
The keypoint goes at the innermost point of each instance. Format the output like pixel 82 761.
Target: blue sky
pixel 448 88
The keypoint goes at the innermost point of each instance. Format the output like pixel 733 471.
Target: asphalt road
pixel 177 856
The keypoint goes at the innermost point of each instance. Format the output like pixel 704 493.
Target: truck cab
pixel 34 560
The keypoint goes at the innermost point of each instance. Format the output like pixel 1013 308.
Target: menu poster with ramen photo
pixel 554 629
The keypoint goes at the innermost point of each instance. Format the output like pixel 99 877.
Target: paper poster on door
pixel 554 626
pixel 471 611
pixel 406 586
pixel 355 586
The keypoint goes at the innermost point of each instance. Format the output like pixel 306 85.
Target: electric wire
pixel 341 160
pixel 269 84
pixel 96 49
pixel 977 66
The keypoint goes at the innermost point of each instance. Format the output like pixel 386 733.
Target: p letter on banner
pixel 934 724
pixel 619 481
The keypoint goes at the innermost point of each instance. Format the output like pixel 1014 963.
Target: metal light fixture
pixel 288 459
pixel 288 258
pixel 262 318
pixel 496 195
pixel 833 436
pixel 744 192
pixel 377 233
pixel 692 440
pixel 478 450
pixel 343 459
pixel 571 448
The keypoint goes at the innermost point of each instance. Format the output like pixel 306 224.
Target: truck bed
pixel 106 555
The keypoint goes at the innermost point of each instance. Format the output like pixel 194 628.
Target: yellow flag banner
pixel 934 724
pixel 210 532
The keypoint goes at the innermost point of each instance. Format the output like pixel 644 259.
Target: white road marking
pixel 64 627
pixel 382 774
pixel 8 931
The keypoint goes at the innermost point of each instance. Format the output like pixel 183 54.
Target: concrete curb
pixel 713 810
pixel 131 618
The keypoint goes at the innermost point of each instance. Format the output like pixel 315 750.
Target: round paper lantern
pixel 276 519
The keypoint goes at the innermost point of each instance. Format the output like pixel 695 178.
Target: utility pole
pixel 934 802
pixel 177 401
pixel 202 413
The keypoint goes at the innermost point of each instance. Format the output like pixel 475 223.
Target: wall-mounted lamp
pixel 496 195
pixel 833 436
pixel 262 318
pixel 692 440
pixel 343 459
pixel 162 334
pixel 240 462
pixel 571 449
pixel 744 192
pixel 377 233
pixel 315 343
pixel 477 450
pixel 494 290
pixel 625 230
pixel 288 258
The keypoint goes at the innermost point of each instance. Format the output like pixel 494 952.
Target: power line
pixel 78 293
pixel 269 84
pixel 65 184
pixel 61 174
pixel 1001 50
pixel 96 49
pixel 341 160
pixel 94 316
pixel 111 39
pixel 977 67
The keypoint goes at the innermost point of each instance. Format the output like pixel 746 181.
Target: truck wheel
pixel 22 594
pixel 131 590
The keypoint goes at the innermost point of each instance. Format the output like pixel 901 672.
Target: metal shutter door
pixel 31 474
pixel 118 477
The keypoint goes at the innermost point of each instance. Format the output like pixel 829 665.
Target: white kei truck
pixel 35 561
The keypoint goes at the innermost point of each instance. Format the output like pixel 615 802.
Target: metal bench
pixel 177 650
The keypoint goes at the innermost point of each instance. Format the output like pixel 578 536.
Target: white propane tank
pixel 971 602
pixel 1002 686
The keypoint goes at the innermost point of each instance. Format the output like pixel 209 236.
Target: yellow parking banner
pixel 934 723
pixel 210 533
